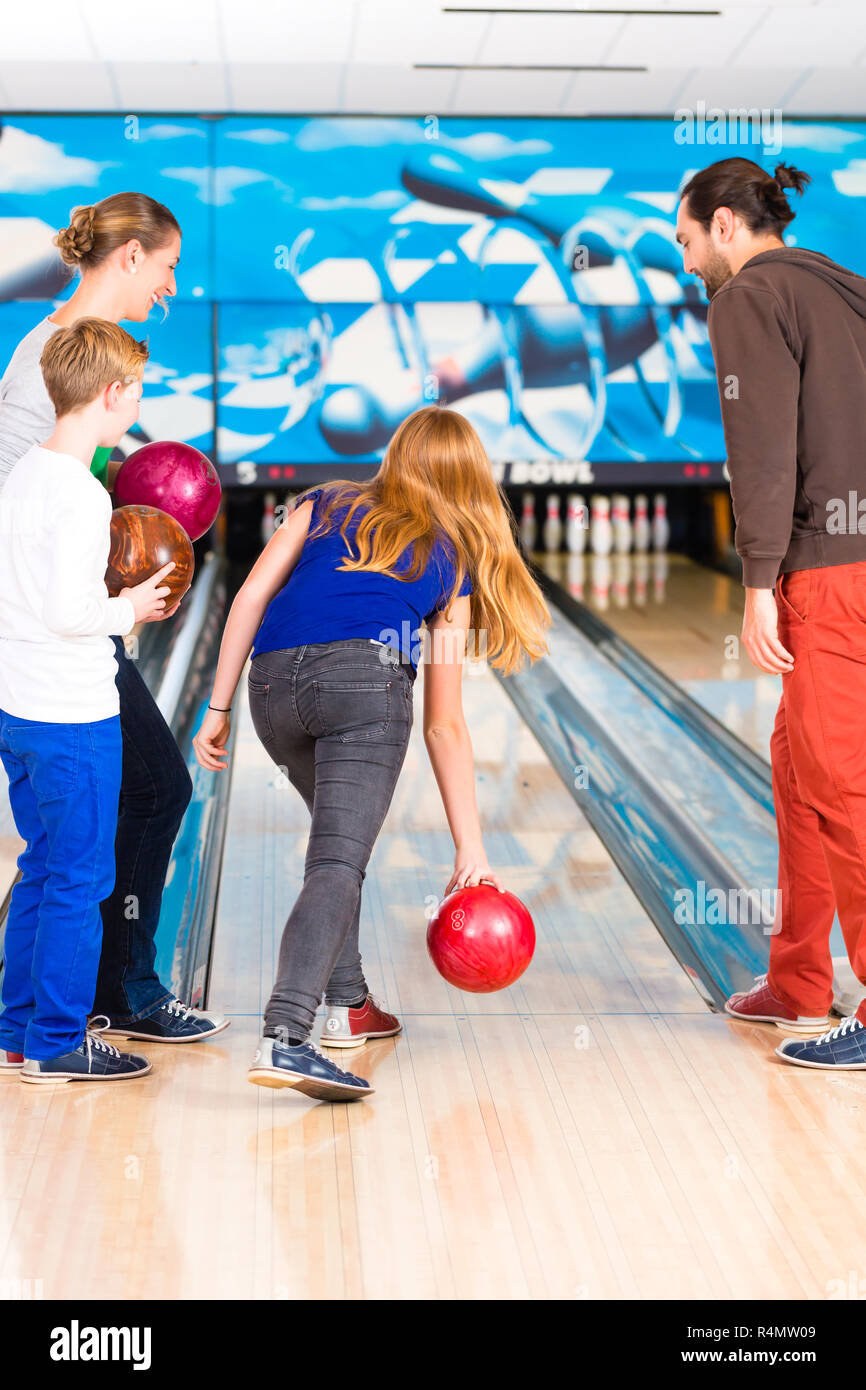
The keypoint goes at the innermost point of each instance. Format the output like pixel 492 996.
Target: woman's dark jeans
pixel 335 717
pixel 155 791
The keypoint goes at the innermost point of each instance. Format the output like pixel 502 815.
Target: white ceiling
pixel 805 57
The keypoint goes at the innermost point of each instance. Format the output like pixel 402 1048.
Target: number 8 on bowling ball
pixel 143 539
pixel 480 939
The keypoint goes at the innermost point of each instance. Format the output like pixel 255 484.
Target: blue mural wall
pixel 337 273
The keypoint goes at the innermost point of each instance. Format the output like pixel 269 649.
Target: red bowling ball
pixel 480 939
pixel 177 479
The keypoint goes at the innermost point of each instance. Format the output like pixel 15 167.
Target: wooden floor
pixel 594 1132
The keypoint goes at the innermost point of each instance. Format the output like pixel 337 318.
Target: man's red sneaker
pixel 345 1027
pixel 11 1061
pixel 760 1005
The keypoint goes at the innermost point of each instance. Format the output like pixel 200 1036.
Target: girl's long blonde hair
pixel 435 482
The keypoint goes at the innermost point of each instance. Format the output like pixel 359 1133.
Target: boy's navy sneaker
pixel 304 1068
pixel 843 1046
pixel 11 1061
pixel 92 1060
pixel 173 1022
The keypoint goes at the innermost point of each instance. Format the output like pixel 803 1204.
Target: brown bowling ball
pixel 143 539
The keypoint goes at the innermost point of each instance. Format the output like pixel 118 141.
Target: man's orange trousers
pixel 818 752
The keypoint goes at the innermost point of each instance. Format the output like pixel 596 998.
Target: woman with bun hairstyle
pixel 126 249
pixel 332 611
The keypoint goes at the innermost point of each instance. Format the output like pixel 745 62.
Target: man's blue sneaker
pixel 92 1060
pixel 304 1068
pixel 173 1022
pixel 843 1047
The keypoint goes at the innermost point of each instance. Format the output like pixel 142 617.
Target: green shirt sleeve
pixel 99 466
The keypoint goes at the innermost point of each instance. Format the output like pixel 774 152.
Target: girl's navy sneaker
pixel 304 1068
pixel 843 1046
pixel 92 1060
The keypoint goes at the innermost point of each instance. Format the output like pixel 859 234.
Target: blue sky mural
pixel 524 271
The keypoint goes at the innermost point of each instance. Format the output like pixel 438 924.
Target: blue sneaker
pixel 173 1022
pixel 92 1060
pixel 306 1069
pixel 843 1046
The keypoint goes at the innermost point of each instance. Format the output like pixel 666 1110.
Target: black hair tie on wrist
pixel 220 711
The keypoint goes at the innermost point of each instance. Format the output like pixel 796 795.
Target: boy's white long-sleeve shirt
pixel 57 661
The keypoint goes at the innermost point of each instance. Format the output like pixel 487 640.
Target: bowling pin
pixel 528 528
pixel 576 525
pixel 621 524
pixel 268 516
pixel 576 575
pixel 660 575
pixel 601 581
pixel 552 533
pixel 641 578
pixel 661 526
pixel 621 577
pixel 642 528
pixel 600 530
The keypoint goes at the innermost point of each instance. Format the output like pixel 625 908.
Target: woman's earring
pixel 133 270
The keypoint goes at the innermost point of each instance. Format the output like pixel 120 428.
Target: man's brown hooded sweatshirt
pixel 788 334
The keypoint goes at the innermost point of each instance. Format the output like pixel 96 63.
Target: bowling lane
pixel 684 618
pixel 591 1113
pixel 574 1137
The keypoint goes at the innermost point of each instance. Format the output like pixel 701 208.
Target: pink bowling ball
pixel 174 477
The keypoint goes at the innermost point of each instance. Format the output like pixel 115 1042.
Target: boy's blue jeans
pixel 64 786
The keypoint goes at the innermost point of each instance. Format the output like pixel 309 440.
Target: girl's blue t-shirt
pixel 320 603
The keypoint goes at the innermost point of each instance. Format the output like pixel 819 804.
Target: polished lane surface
pixel 594 1132
pixel 684 618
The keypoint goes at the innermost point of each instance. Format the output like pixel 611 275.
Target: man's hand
pixel 761 634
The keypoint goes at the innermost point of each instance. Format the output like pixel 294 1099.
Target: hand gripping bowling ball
pixel 480 939
pixel 176 478
pixel 143 539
